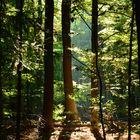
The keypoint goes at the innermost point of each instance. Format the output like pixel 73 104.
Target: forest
pixel 69 70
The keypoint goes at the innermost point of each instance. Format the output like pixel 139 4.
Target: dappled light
pixel 70 70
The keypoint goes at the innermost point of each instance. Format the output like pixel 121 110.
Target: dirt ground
pixel 78 133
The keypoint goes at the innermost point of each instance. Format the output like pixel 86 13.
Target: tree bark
pixel 19 6
pixel 48 65
pixel 1 93
pixel 95 77
pixel 70 105
pixel 129 75
pixel 1 63
pixel 137 12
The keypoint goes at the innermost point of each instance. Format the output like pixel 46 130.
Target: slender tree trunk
pixel 18 119
pixel 28 99
pixel 48 66
pixel 33 14
pixel 1 94
pixel 70 105
pixel 19 5
pixel 137 12
pixel 95 76
pixel 129 75
pixel 39 25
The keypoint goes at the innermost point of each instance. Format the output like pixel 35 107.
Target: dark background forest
pixel 69 64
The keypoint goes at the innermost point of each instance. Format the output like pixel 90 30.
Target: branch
pixel 83 64
pixel 84 20
pixel 82 8
pixel 120 13
pixel 108 38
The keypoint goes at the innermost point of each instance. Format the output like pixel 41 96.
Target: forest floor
pixel 76 133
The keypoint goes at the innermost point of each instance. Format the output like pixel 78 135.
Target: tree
pixel 1 94
pixel 21 45
pixel 137 12
pixel 95 76
pixel 70 106
pixel 130 74
pixel 19 6
pixel 1 63
pixel 48 66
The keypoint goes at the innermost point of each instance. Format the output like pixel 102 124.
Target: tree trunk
pixel 19 5
pixel 94 76
pixel 48 65
pixel 1 94
pixel 18 119
pixel 129 75
pixel 137 12
pixel 70 105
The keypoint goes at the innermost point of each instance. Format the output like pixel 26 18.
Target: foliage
pixel 58 113
pixel 114 33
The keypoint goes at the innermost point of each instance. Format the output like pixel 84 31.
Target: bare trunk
pixel 137 12
pixel 18 119
pixel 19 5
pixel 48 65
pixel 95 77
pixel 70 105
pixel 1 94
pixel 129 75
